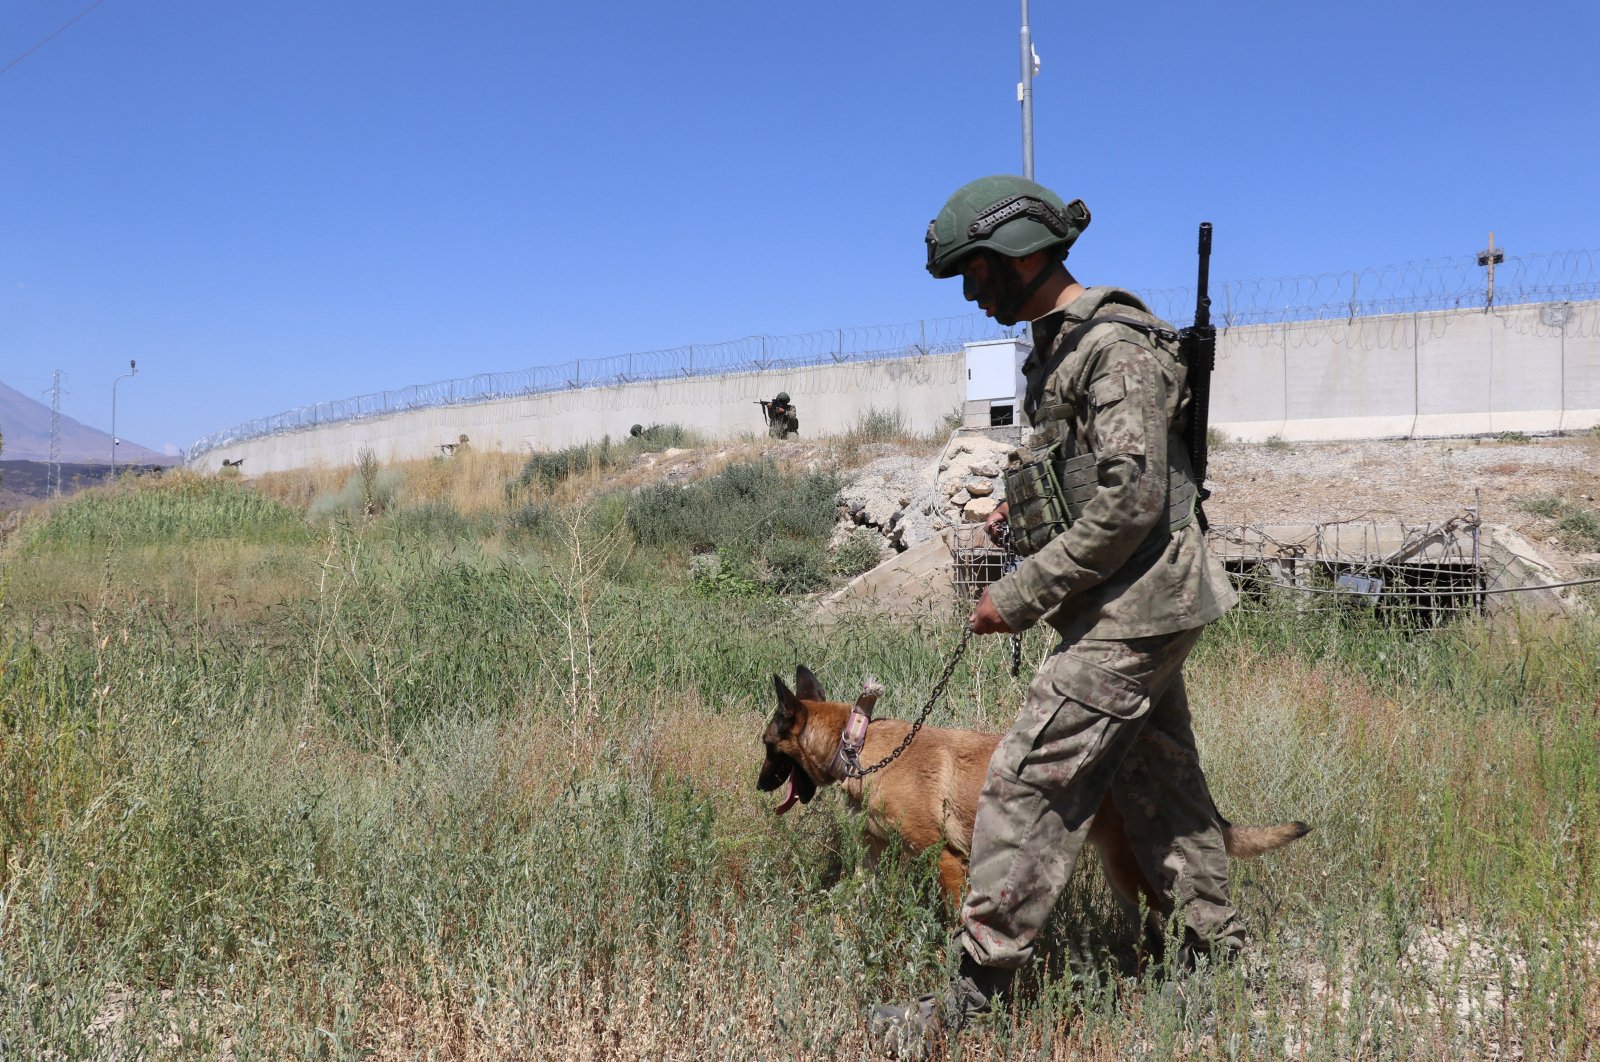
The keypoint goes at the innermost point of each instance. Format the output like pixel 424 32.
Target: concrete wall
pixel 1530 368
pixel 830 398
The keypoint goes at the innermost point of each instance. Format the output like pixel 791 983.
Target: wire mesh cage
pixel 1422 575
pixel 975 560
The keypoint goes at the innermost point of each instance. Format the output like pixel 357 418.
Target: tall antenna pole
pixel 133 370
pixel 1489 259
pixel 54 479
pixel 1025 95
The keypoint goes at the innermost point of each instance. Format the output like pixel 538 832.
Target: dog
pixel 929 796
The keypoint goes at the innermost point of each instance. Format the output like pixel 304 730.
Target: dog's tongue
pixel 790 797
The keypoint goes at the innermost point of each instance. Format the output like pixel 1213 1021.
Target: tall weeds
pixel 446 801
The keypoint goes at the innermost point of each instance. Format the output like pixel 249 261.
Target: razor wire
pixel 1456 283
pixel 1415 287
pixel 757 353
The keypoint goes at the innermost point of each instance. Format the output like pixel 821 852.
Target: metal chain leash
pixel 1013 559
pixel 855 770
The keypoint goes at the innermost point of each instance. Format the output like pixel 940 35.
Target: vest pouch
pixel 1045 495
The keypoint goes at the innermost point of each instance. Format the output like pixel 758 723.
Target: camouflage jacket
pixel 1118 572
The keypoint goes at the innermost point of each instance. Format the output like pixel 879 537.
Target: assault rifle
pixel 1198 344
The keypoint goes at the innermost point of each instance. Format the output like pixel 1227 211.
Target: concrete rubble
pixel 909 502
pixel 923 512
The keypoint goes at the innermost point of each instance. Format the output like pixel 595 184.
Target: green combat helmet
pixel 1007 215
pixel 782 396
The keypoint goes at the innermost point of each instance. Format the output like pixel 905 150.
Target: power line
pixel 52 36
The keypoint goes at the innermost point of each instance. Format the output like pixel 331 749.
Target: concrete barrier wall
pixel 1530 368
pixel 830 399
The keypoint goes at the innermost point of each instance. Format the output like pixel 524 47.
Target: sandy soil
pixel 1417 481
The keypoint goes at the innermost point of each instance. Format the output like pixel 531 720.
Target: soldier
pixel 1126 581
pixel 782 418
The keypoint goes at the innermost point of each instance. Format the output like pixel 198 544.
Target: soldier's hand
pixel 997 520
pixel 985 619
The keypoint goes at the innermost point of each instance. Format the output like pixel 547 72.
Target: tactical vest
pixel 1047 495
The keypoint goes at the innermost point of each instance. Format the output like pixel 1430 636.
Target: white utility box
pixel 994 382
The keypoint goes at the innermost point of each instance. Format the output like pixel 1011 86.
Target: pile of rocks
pixel 969 481
pixel 908 502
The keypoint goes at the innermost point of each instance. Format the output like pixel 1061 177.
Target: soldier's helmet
pixel 783 396
pixel 1012 216
pixel 636 430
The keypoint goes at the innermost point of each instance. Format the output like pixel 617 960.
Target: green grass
pixel 1541 505
pixel 1577 526
pixel 449 800
pixel 877 426
pixel 545 470
pixel 177 508
pixel 768 526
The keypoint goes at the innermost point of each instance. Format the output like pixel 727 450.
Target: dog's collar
pixel 846 762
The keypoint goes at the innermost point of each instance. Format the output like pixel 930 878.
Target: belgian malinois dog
pixel 929 795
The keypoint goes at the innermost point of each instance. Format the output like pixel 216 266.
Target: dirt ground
pixel 1416 481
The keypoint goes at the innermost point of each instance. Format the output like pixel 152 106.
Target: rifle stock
pixel 1198 344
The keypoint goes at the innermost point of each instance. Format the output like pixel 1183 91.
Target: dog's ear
pixel 871 690
pixel 807 686
pixel 789 709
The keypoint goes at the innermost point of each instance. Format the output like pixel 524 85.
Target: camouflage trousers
pixel 1099 716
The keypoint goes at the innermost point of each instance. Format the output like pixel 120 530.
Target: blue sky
pixel 271 205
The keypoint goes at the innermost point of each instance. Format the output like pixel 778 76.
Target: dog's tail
pixel 1247 842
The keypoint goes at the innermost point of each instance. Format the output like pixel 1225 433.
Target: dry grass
pixel 472 482
pixel 447 803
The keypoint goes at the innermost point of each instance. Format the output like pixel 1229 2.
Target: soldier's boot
pixel 919 1031
pixel 1191 989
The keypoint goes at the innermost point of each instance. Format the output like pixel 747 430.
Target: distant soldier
pixel 783 420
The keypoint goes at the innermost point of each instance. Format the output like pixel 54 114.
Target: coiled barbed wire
pixel 1429 286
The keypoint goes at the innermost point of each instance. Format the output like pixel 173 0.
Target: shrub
pixel 752 514
pixel 794 565
pixel 546 470
pixel 1540 505
pixel 439 519
pixel 877 426
pixel 658 437
pixel 1579 528
pixel 369 491
pixel 740 506
pixel 858 553
pixel 530 519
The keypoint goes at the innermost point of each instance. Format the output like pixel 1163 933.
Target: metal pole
pixel 1025 95
pixel 133 370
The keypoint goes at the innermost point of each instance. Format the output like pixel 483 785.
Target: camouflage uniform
pixel 782 420
pixel 1108 710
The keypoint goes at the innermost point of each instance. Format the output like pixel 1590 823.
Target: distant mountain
pixel 26 424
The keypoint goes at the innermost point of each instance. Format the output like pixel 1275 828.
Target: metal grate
pixel 976 561
pixel 1419 575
